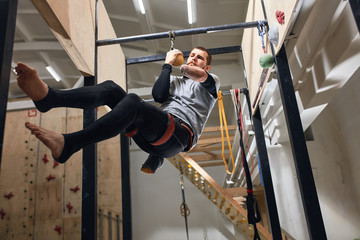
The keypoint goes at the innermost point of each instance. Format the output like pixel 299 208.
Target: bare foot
pixel 53 140
pixel 29 81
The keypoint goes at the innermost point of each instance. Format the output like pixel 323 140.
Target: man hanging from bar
pixel 186 103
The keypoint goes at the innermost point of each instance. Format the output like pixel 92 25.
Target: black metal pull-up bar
pixel 159 57
pixel 184 32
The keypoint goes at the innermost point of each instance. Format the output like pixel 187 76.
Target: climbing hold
pixel 280 16
pixel 32 113
pixel 45 159
pixel 69 207
pixel 75 189
pixel 266 61
pixel 49 178
pixel 58 229
pixel 8 196
pixel 274 34
pixel 179 60
pixel 2 213
pixel 55 164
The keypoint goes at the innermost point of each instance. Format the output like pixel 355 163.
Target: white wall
pixel 334 156
pixel 156 203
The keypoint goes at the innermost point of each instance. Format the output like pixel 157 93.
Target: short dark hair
pixel 209 58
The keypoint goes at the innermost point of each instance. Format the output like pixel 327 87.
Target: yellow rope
pixel 223 118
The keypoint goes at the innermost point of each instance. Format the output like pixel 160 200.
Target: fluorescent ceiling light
pixel 142 8
pixel 53 73
pixel 191 8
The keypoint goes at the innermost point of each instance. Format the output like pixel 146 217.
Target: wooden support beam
pixel 76 33
pixel 212 140
pixel 242 191
pixel 211 164
pixel 218 128
pixel 206 157
pixel 205 149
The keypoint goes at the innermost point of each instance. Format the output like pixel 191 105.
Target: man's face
pixel 197 58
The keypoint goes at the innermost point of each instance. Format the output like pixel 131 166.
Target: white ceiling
pixel 36 45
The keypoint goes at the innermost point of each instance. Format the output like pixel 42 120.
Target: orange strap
pixel 132 133
pixel 168 133
pixel 223 119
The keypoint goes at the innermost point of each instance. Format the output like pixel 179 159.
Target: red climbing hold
pixel 45 159
pixel 75 189
pixel 55 164
pixel 8 196
pixel 32 113
pixel 50 177
pixel 58 229
pixel 69 207
pixel 280 16
pixel 2 213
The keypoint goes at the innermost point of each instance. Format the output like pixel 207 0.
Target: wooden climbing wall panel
pixel 45 197
pixel 257 77
pixel 17 177
pixel 49 183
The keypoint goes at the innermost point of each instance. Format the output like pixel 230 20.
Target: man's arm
pixel 160 91
pixel 210 85
pixel 195 73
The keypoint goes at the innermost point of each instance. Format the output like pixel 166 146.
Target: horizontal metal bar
pixel 160 57
pixel 178 33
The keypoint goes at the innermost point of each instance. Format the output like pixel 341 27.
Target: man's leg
pixel 111 124
pixel 45 98
pixel 30 83
pixel 53 140
pixel 152 163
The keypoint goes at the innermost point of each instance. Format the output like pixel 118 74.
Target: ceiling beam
pixel 38 46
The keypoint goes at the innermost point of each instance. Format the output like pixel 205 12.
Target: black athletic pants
pixel 128 113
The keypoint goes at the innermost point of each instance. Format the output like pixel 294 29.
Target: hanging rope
pixel 237 106
pixel 252 207
pixel 223 119
pixel 184 209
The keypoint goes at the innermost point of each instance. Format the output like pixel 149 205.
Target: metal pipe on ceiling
pixel 177 33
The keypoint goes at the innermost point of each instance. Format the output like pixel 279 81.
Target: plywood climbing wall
pixel 257 77
pixel 41 199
